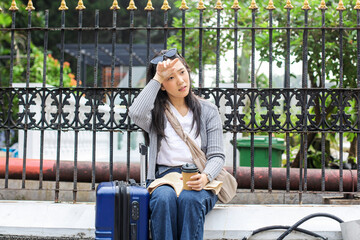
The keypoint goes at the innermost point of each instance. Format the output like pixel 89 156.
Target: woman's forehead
pixel 179 65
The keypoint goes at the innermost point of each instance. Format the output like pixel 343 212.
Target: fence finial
pixel 183 5
pixel 306 5
pixel 131 5
pixel 253 5
pixel 80 6
pixel 271 5
pixel 288 5
pixel 115 5
pixel 149 6
pixel 30 6
pixel 357 7
pixel 13 6
pixel 236 6
pixel 63 6
pixel 340 7
pixel 165 6
pixel 0 9
pixel 219 5
pixel 201 5
pixel 322 5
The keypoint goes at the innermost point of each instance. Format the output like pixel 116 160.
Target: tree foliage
pixel 19 37
pixel 332 45
pixel 279 36
pixel 105 20
pixel 209 43
pixel 20 51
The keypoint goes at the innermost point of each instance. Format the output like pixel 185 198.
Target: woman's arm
pixel 140 110
pixel 215 149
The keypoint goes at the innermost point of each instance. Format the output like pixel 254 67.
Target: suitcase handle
pixel 143 153
pixel 142 149
pixel 132 182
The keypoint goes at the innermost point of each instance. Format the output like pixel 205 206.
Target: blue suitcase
pixel 121 211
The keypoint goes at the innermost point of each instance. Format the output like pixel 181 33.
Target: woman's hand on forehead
pixel 164 69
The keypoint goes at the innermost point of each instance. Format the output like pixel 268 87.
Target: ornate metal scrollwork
pixel 252 110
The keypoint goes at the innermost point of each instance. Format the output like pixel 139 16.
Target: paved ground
pixel 49 220
pixel 14 237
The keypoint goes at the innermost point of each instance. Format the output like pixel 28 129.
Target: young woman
pixel 169 83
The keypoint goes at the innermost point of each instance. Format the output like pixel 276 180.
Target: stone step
pixel 85 194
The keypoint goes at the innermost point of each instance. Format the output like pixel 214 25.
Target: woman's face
pixel 178 84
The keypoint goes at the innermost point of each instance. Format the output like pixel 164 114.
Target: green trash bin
pixel 261 151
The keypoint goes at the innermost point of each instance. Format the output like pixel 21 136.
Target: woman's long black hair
pixel 158 112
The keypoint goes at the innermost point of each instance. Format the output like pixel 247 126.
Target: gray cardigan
pixel 210 130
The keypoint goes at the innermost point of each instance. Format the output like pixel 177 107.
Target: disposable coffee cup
pixel 188 170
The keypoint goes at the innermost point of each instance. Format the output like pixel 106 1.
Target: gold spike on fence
pixel 340 7
pixel 149 6
pixel 131 6
pixel 13 6
pixel 253 5
pixel 63 6
pixel 288 5
pixel 306 5
pixel 322 5
pixel 80 6
pixel 30 6
pixel 115 6
pixel 357 6
pixel 0 9
pixel 219 5
pixel 236 6
pixel 165 6
pixel 183 5
pixel 270 5
pixel 201 5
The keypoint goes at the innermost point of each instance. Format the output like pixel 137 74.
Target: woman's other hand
pixel 164 69
pixel 198 182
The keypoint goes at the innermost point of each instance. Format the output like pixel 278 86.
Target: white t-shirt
pixel 173 150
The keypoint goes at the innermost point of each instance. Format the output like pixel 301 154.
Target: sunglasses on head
pixel 170 53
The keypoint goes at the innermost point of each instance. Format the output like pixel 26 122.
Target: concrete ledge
pixel 238 221
pixel 47 220
pixel 29 218
pixel 85 194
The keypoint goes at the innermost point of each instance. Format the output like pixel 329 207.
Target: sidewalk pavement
pixel 46 220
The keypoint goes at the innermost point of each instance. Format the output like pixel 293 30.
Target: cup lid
pixel 189 167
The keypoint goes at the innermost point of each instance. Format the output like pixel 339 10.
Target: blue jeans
pixel 180 217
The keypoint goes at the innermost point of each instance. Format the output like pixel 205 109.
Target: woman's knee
pixel 200 199
pixel 163 195
pixel 190 197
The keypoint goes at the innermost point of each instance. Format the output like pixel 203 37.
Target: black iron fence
pixel 102 105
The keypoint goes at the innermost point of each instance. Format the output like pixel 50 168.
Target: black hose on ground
pixel 307 218
pixel 295 226
pixel 284 227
